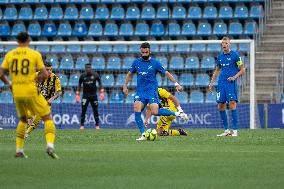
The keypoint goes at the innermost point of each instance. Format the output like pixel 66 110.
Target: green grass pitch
pixel 113 159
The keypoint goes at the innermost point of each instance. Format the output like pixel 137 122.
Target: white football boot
pixel 226 133
pixel 235 133
pixel 141 138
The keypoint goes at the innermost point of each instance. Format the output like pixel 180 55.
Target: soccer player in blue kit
pixel 147 87
pixel 230 67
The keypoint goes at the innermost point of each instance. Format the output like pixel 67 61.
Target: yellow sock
pixel 173 133
pixel 20 135
pixel 34 124
pixel 49 132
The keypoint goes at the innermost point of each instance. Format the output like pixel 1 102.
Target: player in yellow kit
pixel 170 102
pixel 22 64
pixel 50 88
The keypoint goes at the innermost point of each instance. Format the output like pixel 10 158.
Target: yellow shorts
pixel 165 122
pixel 27 106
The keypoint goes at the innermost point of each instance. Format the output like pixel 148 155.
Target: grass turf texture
pixel 113 159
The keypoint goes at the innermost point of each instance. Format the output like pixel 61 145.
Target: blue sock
pixel 165 112
pixel 235 119
pixel 139 122
pixel 224 118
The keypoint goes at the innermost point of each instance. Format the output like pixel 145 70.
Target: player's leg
pixel 84 104
pixel 95 105
pixel 221 100
pixel 33 123
pixel 232 107
pixel 156 110
pixel 138 107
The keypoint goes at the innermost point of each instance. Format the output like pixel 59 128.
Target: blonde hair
pixel 225 38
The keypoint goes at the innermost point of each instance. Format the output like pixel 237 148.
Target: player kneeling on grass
pixel 50 88
pixel 170 102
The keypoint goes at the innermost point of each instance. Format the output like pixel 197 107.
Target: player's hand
pixel 125 90
pixel 210 88
pixel 49 101
pixel 179 88
pixel 77 98
pixel 102 96
pixel 231 78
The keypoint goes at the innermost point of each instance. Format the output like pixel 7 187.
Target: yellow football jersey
pixel 165 101
pixel 49 86
pixel 22 64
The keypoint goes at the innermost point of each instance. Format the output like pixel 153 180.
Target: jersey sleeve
pixel 57 84
pixel 133 69
pixel 160 68
pixel 98 78
pixel 163 93
pixel 39 61
pixel 238 59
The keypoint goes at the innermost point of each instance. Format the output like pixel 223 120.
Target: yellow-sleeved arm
pixel 57 84
pixel 163 93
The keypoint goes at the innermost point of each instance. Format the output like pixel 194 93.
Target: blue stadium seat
pixel 16 1
pixel 182 48
pixel 159 79
pixel 208 63
pixel 46 1
pixel 192 62
pixel 220 29
pixel 179 13
pixel 186 79
pixel 9 48
pixel 213 47
pixel 102 13
pixel 66 63
pixel 111 29
pixel 108 1
pixel 10 13
pixel 127 62
pixel 107 80
pixel 57 49
pixel 71 13
pixel 194 12
pixel 235 28
pixel 156 48
pixel 202 80
pixel 163 13
pixel 34 29
pixel 64 29
pixel 210 12
pixel 163 60
pixel 226 12
pixel 49 29
pixel 182 97
pixel 116 97
pixel 63 80
pixel 55 13
pixel 130 98
pixel 204 29
pixel 93 1
pixel 210 97
pixel 120 49
pixel 188 29
pixel 174 29
pixel 77 1
pixel 53 59
pixel 241 11
pixel 86 13
pixel 95 30
pixel 80 29
pixel 74 80
pixel 41 13
pixel 117 13
pixel 113 63
pixel 69 97
pixel 133 82
pixel 17 28
pixel 157 29
pixel 1 13
pixel 196 97
pixel 176 63
pixel 98 63
pixel 6 97
pixel 198 48
pixel 244 47
pixel 26 13
pixel 250 28
pixel 43 48
pixel 81 61
pixel 234 47
pixel 132 13
pixel 167 48
pixel 89 48
pixel 31 1
pixel 126 29
pixel 142 29
pixel 73 49
pixel 256 11
pixel 148 13
pixel 120 78
pixel 104 49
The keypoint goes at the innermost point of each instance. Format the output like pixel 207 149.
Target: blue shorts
pixel 151 97
pixel 227 92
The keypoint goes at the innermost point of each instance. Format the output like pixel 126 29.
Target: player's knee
pixel 154 111
pixel 221 107
pixel 232 105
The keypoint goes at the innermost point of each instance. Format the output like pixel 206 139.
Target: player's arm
pixel 176 102
pixel 148 115
pixel 241 71
pixel 127 79
pixel 215 74
pixel 172 79
pixel 58 91
pixel 102 90
pixel 4 77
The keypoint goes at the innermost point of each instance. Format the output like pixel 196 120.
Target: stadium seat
pixel 17 28
pixel 73 49
pixel 127 62
pixel 6 97
pixel 111 29
pixel 213 47
pixel 226 12
pixel 43 48
pixel 220 29
pixel 55 13
pixel 142 29
pixel 80 29
pixel 192 63
pixel 182 48
pixel 130 98
pixel 133 82
pixel 182 97
pixel 174 29
pixel 198 48
pixel 116 97
pixel 196 97
pixel 34 29
pixel 194 12
pixel 148 13
pixel 188 29
pixel 204 29
pixel 113 63
pixel 69 97
pixel 107 80
pixel 16 1
pixel 81 61
pixel 40 13
pixel 165 48
pixel 244 47
pixel 10 13
pixel 53 60
pixel 163 13
pixel 74 80
pixel 186 80
pixel 86 13
pixel 49 30
pixel 159 79
pixel 26 13
pixel 126 29
pixel 46 1
pixel 89 48
pixel 163 60
pixel 1 13
pixel 210 97
pixel 93 1
pixel 77 1
pixel 102 13
pixel 235 28
pixel 132 13
pixel 250 28
pixel 256 11
pixel 179 12
pixel 117 13
pixel 120 78
pixel 104 48
pixel 31 1
pixel 157 29
pixel 155 48
pixel 57 49
pixel 208 63
pixel 9 48
pixel 71 13
pixel 95 30
pixel 241 11
pixel 176 63
pixel 210 12
pixel 64 29
pixel 98 63
pixel 202 80
pixel 120 49
pixel 66 63
pixel 63 80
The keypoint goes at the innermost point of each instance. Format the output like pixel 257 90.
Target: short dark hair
pixel 88 64
pixel 47 64
pixel 145 45
pixel 23 37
